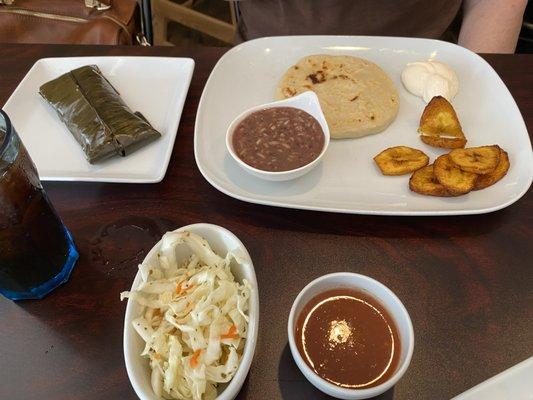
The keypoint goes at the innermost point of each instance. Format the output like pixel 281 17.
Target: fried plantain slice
pixel 400 160
pixel 450 176
pixel 446 143
pixel 478 160
pixel 423 181
pixel 439 125
pixel 499 172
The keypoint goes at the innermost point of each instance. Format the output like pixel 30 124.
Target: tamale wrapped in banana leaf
pixel 94 113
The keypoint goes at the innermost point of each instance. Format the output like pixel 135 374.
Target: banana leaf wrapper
pixel 97 117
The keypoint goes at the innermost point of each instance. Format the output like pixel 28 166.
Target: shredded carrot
pixel 194 359
pixel 232 333
pixel 180 289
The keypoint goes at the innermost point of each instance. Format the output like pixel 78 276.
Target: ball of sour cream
pixel 428 79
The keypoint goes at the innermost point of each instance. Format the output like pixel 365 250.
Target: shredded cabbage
pixel 195 318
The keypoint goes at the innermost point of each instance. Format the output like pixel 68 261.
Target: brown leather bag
pixel 71 21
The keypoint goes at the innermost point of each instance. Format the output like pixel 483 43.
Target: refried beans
pixel 278 139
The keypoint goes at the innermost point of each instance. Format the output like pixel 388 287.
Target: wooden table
pixel 466 281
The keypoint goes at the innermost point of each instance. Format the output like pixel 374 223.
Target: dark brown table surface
pixel 466 281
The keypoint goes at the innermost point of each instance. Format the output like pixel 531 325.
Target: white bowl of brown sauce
pixel 281 140
pixel 350 335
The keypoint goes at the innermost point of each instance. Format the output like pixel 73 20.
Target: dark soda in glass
pixel 37 252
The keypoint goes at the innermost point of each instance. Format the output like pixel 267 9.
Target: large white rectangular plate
pixel 514 383
pixel 154 86
pixel 347 180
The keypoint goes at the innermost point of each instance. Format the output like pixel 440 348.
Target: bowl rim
pixel 234 385
pixel 321 119
pixel 328 387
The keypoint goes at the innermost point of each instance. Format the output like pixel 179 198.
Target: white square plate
pixel 155 86
pixel 514 383
pixel 347 180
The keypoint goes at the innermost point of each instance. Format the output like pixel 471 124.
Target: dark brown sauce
pixel 278 139
pixel 348 338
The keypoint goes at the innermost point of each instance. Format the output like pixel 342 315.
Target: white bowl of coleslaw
pixel 222 242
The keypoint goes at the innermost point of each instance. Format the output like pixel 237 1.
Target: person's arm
pixel 491 26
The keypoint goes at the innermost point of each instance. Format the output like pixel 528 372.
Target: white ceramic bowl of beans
pixel 308 102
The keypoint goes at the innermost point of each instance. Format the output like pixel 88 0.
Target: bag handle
pixel 96 4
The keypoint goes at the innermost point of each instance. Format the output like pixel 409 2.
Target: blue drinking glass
pixel 37 252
